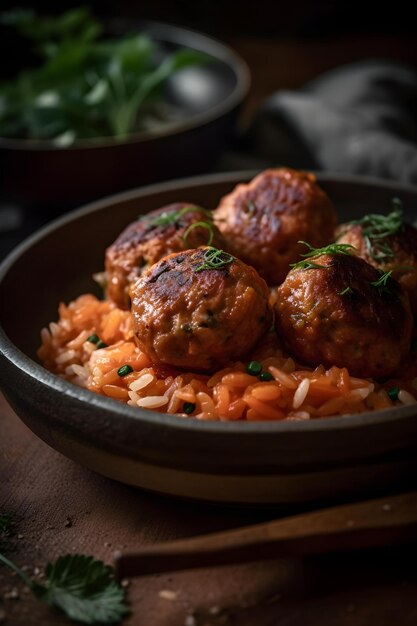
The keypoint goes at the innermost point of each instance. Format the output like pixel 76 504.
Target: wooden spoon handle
pixel 371 523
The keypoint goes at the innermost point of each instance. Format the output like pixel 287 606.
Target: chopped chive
pixel 414 344
pixel 102 344
pixel 345 291
pixel 124 370
pixel 188 407
pixel 393 393
pixel 254 368
pixel 266 376
pixel 93 338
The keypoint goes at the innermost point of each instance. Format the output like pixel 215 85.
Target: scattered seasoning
pixel 345 291
pixel 393 393
pixel 101 344
pixel 266 376
pixel 333 248
pixel 188 407
pixel 124 370
pixel 254 368
pixel 214 259
pixel 93 339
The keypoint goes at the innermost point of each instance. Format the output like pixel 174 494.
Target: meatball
pixel 344 313
pixel 199 309
pixel 396 252
pixel 264 220
pixel 169 229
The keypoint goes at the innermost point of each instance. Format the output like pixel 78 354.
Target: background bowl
pixel 207 97
pixel 264 462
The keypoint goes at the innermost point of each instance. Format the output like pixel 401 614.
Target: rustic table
pixel 59 507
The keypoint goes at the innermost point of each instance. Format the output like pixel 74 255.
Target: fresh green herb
pixel 215 259
pixel 345 291
pixel 188 408
pixel 206 225
pixel 85 85
pixel 377 228
pixel 102 344
pixel 254 368
pixel 82 587
pixel 93 338
pixel 413 344
pixel 393 393
pixel 333 248
pixel 382 284
pixel 174 217
pixel 266 376
pixel 124 370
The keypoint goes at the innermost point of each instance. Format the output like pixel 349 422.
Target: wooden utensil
pixel 372 523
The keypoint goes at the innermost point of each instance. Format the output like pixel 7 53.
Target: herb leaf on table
pixel 81 586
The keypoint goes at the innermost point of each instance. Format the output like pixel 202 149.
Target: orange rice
pixel 294 393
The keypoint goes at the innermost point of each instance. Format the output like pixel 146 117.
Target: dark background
pixel 285 44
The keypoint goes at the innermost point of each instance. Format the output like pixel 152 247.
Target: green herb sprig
pixel 382 284
pixel 333 248
pixel 377 228
pixel 85 85
pixel 215 259
pixel 174 217
pixel 82 587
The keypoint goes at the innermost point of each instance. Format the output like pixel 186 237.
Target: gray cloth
pixel 359 119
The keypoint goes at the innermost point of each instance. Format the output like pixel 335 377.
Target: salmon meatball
pixel 169 229
pixel 336 309
pixel 199 309
pixel 263 221
pixel 389 244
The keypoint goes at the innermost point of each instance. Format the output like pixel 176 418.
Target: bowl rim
pixel 169 33
pixel 34 370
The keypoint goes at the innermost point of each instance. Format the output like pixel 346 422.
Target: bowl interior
pixel 57 264
pixel 245 462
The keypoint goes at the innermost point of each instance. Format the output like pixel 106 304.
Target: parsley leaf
pixel 81 586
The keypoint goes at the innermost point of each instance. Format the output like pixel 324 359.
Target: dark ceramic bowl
pixel 207 99
pixel 281 462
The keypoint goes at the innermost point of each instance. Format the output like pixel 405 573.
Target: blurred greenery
pixel 86 86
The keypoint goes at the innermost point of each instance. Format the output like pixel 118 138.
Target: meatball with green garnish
pixel 160 232
pixel 263 221
pixel 336 309
pixel 200 309
pixel 389 244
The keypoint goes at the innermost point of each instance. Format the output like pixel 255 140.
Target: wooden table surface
pixel 59 507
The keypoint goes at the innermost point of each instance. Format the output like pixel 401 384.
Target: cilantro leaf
pixel 81 586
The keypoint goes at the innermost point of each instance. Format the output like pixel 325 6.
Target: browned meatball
pixel 396 252
pixel 335 315
pixel 152 237
pixel 263 221
pixel 199 309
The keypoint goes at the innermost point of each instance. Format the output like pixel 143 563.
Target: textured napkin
pixel 360 119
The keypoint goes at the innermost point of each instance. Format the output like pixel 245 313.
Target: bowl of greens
pixel 100 108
